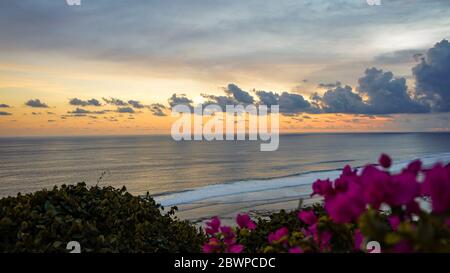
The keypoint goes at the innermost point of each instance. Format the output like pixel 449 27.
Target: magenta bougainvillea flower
pixel 346 206
pixel 414 167
pixel 213 245
pixel 223 238
pixel 279 236
pixel 385 161
pixel 296 249
pixel 307 217
pixel 322 187
pixel 236 248
pixel 212 227
pixel 437 186
pixel 244 221
pixel 394 221
pixel 402 189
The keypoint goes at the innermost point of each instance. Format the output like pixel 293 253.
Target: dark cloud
pixel 136 104
pixel 81 111
pixel 432 77
pixel 179 100
pixel 116 102
pixel 329 85
pixel 125 110
pixel 2 105
pixel 340 100
pixel 79 102
pixel 5 113
pixel 238 94
pixel 36 103
pixel 293 103
pixel 157 109
pixel 386 94
pixel 222 101
pixel 267 97
pixel 289 103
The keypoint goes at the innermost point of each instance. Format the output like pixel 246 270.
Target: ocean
pixel 186 172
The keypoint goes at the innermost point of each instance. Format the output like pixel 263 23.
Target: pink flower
pixel 213 226
pixel 211 246
pixel 358 240
pixel 279 236
pixel 235 248
pixel 347 206
pixel 322 188
pixel 402 189
pixel 375 185
pixel 307 217
pixel 414 166
pixel 296 249
pixel 385 161
pixel 244 221
pixel 229 237
pixel 394 221
pixel 437 186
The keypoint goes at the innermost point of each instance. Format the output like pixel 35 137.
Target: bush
pixel 100 219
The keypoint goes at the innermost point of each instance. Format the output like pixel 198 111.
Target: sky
pixel 117 67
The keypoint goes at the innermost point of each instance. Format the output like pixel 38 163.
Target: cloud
pixel 293 103
pixel 289 103
pixel 116 102
pixel 222 101
pixel 238 94
pixel 78 102
pixel 157 109
pixel 125 110
pixel 329 85
pixel 432 77
pixel 2 105
pixel 386 94
pixel 179 100
pixel 267 97
pixel 5 113
pixel 340 100
pixel 81 111
pixel 136 104
pixel 36 103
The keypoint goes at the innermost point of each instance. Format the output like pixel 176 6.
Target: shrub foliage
pixel 101 219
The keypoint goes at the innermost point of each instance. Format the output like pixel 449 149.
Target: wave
pixel 279 183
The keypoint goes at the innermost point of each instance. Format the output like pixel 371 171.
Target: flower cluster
pixel 406 211
pixel 223 239
pixel 351 194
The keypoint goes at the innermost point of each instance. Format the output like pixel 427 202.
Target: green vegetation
pixel 101 219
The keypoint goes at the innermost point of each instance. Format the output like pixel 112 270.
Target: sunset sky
pixel 116 67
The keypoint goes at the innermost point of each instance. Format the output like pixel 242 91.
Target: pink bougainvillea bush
pixel 406 211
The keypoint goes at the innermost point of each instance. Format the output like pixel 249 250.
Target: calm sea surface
pixel 160 165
